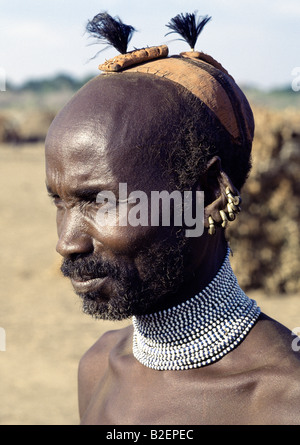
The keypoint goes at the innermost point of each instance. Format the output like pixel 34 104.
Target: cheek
pixel 60 221
pixel 124 240
pixel 119 232
pixel 108 234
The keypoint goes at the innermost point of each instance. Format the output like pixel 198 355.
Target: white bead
pixel 199 331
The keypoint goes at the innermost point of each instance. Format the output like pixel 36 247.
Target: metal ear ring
pixel 211 229
pixel 231 214
pixel 224 219
pixel 235 200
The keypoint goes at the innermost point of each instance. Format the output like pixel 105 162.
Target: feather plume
pixel 188 26
pixel 110 30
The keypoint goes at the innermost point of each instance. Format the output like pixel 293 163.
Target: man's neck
pixel 197 332
pixel 207 264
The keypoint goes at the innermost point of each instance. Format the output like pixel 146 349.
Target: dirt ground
pixel 46 332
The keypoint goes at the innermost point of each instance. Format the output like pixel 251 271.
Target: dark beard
pixel 135 292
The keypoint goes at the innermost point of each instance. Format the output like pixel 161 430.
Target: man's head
pixel 152 134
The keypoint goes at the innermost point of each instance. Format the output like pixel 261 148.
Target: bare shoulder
pixel 276 344
pixel 95 358
pixel 278 349
pixel 94 363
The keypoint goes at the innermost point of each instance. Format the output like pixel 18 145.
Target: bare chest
pixel 156 398
pixel 242 388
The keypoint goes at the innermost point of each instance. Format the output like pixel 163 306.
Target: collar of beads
pixel 199 331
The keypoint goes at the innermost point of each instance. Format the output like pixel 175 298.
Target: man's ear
pixel 221 198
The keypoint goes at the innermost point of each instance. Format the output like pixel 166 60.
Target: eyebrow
pixel 84 193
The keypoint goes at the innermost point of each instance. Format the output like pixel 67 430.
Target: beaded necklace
pixel 199 331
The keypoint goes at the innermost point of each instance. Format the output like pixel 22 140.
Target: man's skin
pixel 92 145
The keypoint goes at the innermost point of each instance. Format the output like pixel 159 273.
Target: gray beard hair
pixel 135 293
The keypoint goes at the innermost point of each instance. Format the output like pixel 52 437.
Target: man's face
pixel 96 143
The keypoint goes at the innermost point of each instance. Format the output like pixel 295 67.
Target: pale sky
pixel 257 41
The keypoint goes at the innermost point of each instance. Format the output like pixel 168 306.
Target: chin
pixel 102 311
pixel 120 305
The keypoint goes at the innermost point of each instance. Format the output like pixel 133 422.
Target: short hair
pixel 194 135
pixel 202 138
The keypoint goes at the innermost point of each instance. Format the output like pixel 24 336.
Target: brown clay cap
pixel 138 56
pixel 203 76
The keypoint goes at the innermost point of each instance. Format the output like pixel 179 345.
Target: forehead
pixel 109 129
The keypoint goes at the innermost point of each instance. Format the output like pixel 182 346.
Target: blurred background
pixel 45 57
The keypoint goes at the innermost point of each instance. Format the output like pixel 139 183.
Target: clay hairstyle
pixel 216 118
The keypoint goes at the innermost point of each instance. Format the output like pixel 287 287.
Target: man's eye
pixel 92 199
pixel 57 201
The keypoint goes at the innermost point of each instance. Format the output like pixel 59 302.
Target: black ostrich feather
pixel 110 30
pixel 188 26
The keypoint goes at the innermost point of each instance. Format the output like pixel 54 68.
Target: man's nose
pixel 73 236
